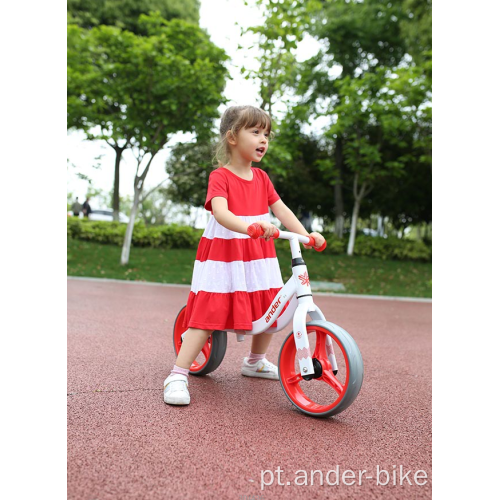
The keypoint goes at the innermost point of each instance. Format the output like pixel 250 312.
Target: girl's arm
pixel 290 221
pixel 226 218
pixel 288 218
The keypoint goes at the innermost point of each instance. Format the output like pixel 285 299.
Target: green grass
pixel 360 275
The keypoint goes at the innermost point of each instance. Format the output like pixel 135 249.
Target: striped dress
pixel 235 277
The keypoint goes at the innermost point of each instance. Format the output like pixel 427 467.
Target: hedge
pixel 167 236
pixel 176 236
pixel 390 248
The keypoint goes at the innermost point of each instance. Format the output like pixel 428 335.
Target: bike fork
pixel 302 339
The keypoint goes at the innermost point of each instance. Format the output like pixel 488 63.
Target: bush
pixel 392 248
pixel 176 236
pixel 334 245
pixel 113 233
pixel 74 227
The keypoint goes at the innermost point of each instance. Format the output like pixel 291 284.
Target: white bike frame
pixel 297 290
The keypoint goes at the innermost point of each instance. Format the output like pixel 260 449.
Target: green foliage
pixel 167 236
pixel 144 88
pixel 377 101
pixel 334 245
pixel 188 169
pixel 377 116
pixel 392 248
pixel 292 162
pixel 177 236
pixel 416 28
pixel 362 34
pixel 125 13
pixel 283 27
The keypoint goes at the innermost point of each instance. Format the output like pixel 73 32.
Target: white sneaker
pixel 263 369
pixel 175 390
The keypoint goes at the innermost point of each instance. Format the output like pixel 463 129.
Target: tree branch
pixel 154 189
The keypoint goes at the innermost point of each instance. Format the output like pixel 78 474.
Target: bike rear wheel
pixel 211 354
pixel 326 394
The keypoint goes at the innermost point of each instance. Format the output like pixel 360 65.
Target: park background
pixel 465 271
pixel 348 85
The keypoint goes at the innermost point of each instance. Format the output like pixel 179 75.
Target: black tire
pixel 217 350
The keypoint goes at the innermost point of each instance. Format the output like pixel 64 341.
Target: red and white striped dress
pixel 235 277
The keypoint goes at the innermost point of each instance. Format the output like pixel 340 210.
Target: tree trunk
pixel 339 211
pixel 138 187
pixel 116 185
pixel 380 226
pixel 339 199
pixel 130 228
pixel 358 197
pixel 354 222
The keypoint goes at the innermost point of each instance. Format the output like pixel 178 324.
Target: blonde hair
pixel 233 120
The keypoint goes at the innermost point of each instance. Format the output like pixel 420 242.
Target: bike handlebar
pixel 255 231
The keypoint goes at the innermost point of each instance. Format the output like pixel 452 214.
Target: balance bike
pixel 320 366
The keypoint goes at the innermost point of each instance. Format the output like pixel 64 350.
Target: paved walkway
pixel 124 442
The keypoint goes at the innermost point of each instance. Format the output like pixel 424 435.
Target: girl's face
pixel 252 143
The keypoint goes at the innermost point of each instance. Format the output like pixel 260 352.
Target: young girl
pixel 235 277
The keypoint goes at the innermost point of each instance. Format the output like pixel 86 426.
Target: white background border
pixel 465 196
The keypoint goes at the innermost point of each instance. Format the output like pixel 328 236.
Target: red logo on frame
pixel 304 278
pixel 299 335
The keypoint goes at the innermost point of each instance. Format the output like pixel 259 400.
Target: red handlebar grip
pixel 255 231
pixel 321 248
pixel 311 244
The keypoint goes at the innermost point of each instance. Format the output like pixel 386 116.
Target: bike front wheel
pixel 328 391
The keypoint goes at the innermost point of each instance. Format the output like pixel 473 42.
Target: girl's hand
pixel 318 240
pixel 268 228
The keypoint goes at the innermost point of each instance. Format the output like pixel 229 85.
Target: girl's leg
pixel 261 342
pixel 255 365
pixel 191 346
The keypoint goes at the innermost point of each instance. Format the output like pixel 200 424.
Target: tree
pixel 188 169
pixel 292 156
pixel 357 37
pixel 155 207
pixel 94 77
pixel 97 89
pixel 416 29
pixel 379 114
pixel 306 189
pixel 125 14
pixel 283 28
pixel 409 199
pixel 169 81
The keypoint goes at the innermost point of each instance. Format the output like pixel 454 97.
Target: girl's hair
pixel 233 120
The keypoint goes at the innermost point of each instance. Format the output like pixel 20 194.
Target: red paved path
pixel 122 437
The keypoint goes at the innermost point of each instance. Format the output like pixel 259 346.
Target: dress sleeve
pixel 272 195
pixel 217 186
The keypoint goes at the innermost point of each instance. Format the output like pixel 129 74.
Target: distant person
pixel 86 208
pixel 76 208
